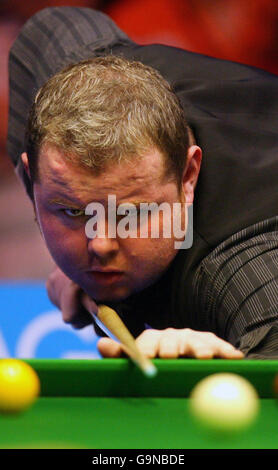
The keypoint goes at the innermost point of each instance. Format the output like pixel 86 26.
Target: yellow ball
pixel 19 385
pixel 224 402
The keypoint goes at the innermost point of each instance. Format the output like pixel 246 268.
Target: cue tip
pixel 150 370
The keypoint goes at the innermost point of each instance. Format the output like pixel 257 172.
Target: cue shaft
pixel 111 321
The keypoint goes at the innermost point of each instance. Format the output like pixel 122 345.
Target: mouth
pixel 106 277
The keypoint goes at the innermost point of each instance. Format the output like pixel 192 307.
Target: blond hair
pixel 108 109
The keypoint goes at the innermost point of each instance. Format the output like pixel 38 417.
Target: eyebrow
pixel 77 204
pixel 158 201
pixel 137 204
pixel 66 202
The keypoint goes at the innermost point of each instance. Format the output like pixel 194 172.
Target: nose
pixel 102 241
pixel 103 247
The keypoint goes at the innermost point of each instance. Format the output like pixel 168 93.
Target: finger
pixel 54 285
pixel 196 344
pixel 73 311
pixel 222 348
pixel 81 319
pixel 197 349
pixel 200 350
pixel 148 342
pixel 206 345
pixel 107 347
pixel 228 351
pixel 169 344
pixel 51 288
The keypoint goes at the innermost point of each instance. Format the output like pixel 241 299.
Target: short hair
pixel 105 110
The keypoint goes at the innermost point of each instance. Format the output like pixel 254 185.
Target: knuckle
pixel 67 316
pixel 51 279
pixel 207 336
pixel 148 333
pixel 187 332
pixel 53 298
pixel 211 335
pixel 170 331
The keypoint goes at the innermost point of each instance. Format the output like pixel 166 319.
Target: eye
pixel 73 212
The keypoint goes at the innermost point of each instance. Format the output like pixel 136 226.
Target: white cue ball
pixel 224 402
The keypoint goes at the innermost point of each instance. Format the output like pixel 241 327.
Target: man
pixel 226 283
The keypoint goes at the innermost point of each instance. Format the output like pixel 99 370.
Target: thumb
pixel 107 347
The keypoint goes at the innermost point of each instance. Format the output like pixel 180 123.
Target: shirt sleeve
pixel 236 290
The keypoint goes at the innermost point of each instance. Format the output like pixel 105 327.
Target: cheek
pixel 149 257
pixel 67 247
pixel 153 259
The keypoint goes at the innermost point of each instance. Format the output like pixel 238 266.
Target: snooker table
pixel 110 404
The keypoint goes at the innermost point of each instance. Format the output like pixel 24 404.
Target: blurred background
pixel 238 30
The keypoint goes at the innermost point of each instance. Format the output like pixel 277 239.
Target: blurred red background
pixel 242 31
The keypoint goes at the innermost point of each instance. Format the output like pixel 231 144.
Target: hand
pixel 172 343
pixel 66 295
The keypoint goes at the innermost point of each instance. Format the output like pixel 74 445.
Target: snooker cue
pixel 110 322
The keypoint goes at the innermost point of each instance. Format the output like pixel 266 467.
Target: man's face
pixel 106 268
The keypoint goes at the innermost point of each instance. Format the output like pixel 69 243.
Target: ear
pixel 24 159
pixel 191 172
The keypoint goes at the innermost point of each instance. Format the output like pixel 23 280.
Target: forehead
pixel 144 173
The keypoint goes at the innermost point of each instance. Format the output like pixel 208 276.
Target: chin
pixel 103 297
